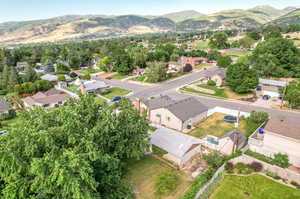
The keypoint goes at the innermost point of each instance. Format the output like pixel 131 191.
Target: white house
pixel 93 86
pixel 278 136
pixel 49 77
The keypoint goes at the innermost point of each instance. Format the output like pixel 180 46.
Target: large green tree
pixel 156 72
pixel 241 78
pixel 75 151
pixel 13 79
pixel 224 61
pixel 219 40
pixel 292 94
pixel 277 57
pixel 29 74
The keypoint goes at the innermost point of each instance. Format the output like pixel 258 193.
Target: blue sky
pixel 19 10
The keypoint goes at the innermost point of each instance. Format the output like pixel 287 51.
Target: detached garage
pixel 180 147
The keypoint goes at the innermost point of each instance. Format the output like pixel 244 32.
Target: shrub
pixel 246 171
pixel 61 78
pixel 158 151
pixel 211 83
pixel 229 166
pixel 256 166
pixel 187 68
pixel 272 175
pixel 281 160
pixel 214 160
pixel 86 77
pixel 241 165
pixel 297 185
pixel 166 183
pixel 3 92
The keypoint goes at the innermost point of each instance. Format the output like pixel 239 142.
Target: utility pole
pixel 283 95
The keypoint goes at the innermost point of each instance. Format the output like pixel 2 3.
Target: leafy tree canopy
pixel 75 151
pixel 219 40
pixel 241 78
pixel 277 57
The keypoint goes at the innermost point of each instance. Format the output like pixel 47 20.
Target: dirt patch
pixel 236 96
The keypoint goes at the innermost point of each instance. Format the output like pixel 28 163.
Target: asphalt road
pixel 170 88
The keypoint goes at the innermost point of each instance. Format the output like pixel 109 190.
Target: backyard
pixel 216 126
pixel 143 173
pixel 114 92
pixel 253 187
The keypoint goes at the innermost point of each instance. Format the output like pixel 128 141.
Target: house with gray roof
pixel 180 147
pixel 49 99
pixel 270 87
pixel 93 86
pixel 218 76
pixel 175 114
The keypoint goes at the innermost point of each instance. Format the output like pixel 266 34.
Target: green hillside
pixel 291 18
pixel 183 15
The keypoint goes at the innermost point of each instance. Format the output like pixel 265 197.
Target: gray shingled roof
pixel 219 71
pixel 240 136
pixel 273 82
pixel 187 108
pixel 159 102
pixel 173 142
pixel 3 105
pixel 94 85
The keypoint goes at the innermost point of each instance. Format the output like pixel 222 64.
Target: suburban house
pixel 21 66
pixel 278 136
pixel 175 114
pixel 228 143
pixel 193 61
pixel 49 77
pixel 270 87
pixel 4 107
pixel 50 99
pixel 180 148
pixel 217 76
pixel 93 86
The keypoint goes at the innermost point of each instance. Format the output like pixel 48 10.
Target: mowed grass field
pixel 253 187
pixel 143 173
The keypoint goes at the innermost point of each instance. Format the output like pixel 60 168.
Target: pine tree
pixel 29 74
pixel 13 79
pixel 4 77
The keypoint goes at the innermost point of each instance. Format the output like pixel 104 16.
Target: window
pixel 158 115
pixel 60 102
pixel 46 105
pixel 168 118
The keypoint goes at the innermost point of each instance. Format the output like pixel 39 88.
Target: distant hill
pixel 74 27
pixel 288 19
pixel 268 11
pixel 183 15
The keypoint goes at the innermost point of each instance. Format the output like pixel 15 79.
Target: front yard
pixel 200 66
pixel 119 76
pixel 218 92
pixel 114 92
pixel 143 174
pixel 222 92
pixel 145 80
pixel 253 187
pixel 216 126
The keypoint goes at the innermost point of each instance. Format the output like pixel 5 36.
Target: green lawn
pixel 119 76
pixel 99 100
pixel 114 92
pixel 216 126
pixel 143 173
pixel 202 45
pixel 72 88
pixel 219 92
pixel 243 53
pixel 253 187
pixel 200 66
pixel 144 78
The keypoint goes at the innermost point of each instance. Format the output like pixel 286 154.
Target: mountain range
pixel 73 27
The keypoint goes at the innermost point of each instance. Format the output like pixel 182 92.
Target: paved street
pixel 170 88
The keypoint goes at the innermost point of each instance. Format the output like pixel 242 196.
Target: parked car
pixel 266 97
pixel 109 78
pixel 116 98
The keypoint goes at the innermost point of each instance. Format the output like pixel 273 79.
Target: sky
pixel 20 10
